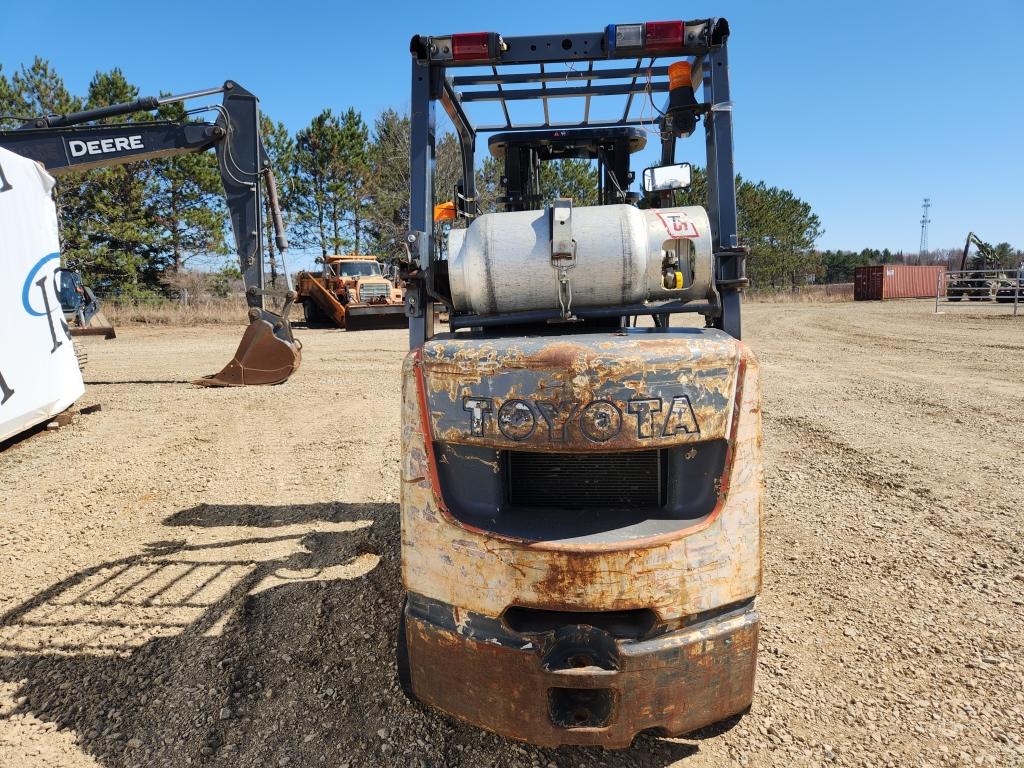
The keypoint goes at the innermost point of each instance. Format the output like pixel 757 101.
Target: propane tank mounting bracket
pixel 563 251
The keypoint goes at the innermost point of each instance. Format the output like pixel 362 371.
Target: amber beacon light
pixel 682 105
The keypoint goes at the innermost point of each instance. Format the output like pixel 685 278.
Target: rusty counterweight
pixel 575 678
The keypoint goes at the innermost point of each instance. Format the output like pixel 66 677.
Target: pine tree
pixel 388 187
pixel 353 175
pixel 388 159
pixel 317 186
pixel 488 184
pixel 280 148
pixel 575 178
pixel 118 220
pixel 11 105
pixel 779 228
pixel 447 167
pixel 34 91
pixel 186 198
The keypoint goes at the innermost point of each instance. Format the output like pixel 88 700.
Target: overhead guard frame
pixel 434 80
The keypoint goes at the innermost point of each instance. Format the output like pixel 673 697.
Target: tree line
pixel 344 186
pixel 129 225
pixel 839 266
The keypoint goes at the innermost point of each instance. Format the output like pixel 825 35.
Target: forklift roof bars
pixel 634 42
pixel 702 41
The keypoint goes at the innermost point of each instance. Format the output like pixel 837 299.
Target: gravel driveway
pixel 209 577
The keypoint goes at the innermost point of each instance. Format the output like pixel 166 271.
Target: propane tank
pixel 623 255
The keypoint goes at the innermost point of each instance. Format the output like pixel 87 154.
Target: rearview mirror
pixel 665 178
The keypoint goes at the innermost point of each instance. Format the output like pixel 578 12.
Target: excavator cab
pixel 268 352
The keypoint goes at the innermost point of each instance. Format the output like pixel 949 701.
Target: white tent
pixel 39 374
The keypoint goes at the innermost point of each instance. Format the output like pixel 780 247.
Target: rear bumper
pixel 578 684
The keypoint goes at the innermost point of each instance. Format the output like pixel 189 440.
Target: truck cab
pixel 581 492
pixel 363 280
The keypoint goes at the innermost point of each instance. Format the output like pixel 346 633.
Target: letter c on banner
pixel 29 282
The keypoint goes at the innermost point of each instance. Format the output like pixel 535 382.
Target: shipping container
pixel 896 281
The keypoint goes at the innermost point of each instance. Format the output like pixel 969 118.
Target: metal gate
pixel 971 286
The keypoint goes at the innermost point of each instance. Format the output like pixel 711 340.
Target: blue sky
pixel 862 108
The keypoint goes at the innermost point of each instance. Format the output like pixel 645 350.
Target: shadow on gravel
pixel 263 636
pixel 97 383
pixel 258 516
pixel 22 437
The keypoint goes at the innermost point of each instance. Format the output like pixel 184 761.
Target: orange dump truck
pixel 351 292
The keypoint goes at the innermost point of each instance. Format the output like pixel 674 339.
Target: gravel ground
pixel 209 577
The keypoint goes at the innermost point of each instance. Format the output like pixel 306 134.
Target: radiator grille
pixel 369 291
pixel 585 480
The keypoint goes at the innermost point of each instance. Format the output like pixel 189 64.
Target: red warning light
pixel 472 46
pixel 664 35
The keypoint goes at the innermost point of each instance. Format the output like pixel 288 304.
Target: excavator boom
pixel 983 251
pixel 268 353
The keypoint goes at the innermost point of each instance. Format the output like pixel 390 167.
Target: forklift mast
pixel 525 151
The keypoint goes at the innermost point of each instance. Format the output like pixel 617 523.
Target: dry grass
pixel 233 310
pixel 834 292
pixel 228 311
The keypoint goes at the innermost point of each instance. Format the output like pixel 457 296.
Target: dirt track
pixel 209 577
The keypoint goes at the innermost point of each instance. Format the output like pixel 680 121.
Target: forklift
pixel 581 493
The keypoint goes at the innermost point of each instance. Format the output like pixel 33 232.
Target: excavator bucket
pixel 97 325
pixel 267 354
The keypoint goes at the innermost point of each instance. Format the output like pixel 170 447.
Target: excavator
pixel 974 281
pixel 268 352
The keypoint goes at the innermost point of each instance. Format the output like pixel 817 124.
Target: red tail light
pixel 664 35
pixel 475 46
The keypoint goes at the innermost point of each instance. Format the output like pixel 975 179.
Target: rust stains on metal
pixel 669 573
pixel 577 395
pixel 676 683
pixel 580 394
